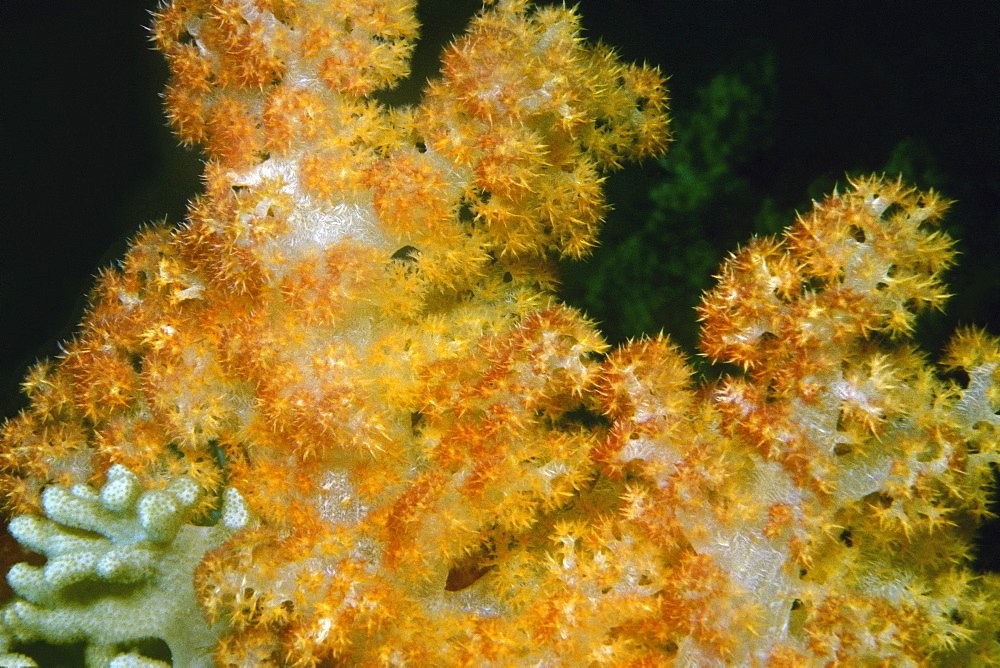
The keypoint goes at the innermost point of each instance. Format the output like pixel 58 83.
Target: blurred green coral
pixel 657 256
pixel 651 275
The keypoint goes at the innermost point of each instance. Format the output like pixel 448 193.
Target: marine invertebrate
pixel 119 569
pixel 354 330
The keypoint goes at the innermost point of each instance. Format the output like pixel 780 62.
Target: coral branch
pixel 119 570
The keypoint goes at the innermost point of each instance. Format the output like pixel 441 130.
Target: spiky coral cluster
pixel 884 466
pixel 444 465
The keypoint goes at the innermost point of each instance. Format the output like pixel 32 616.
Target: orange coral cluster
pixel 447 467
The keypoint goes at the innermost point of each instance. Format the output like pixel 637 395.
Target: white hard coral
pixel 118 571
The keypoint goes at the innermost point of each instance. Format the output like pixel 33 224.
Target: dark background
pixel 87 157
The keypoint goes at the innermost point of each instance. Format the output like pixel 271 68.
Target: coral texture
pixel 368 427
pixel 120 568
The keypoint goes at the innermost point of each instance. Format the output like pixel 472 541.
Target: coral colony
pixel 338 417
